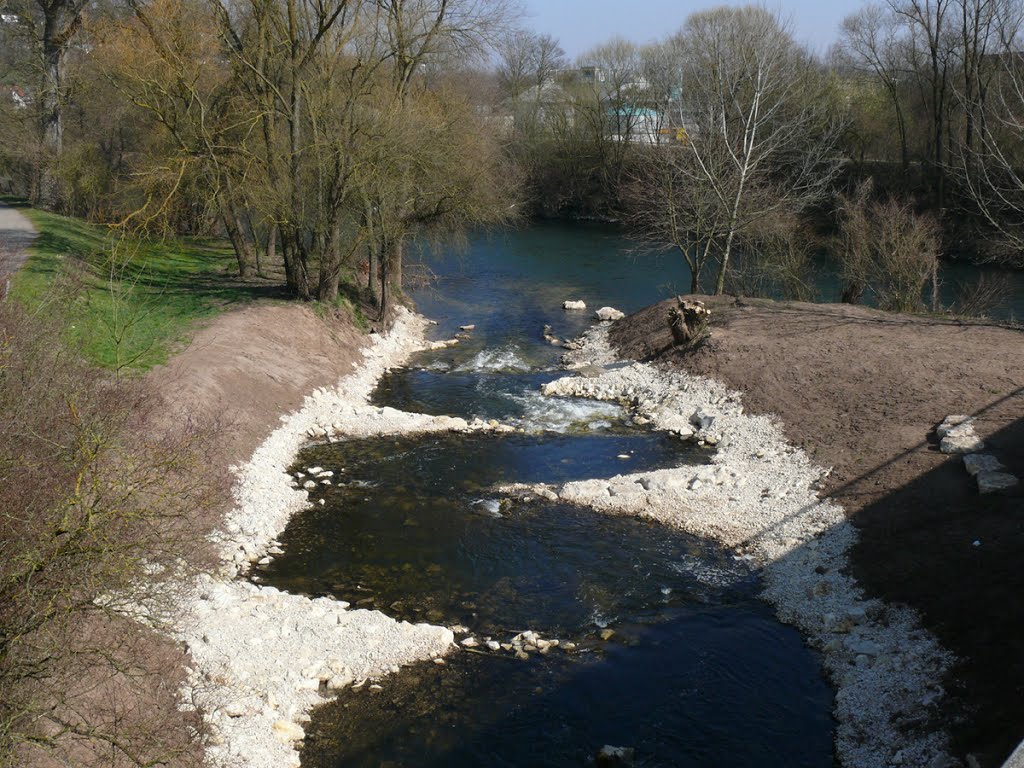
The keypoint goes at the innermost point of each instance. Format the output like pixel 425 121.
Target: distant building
pixel 640 125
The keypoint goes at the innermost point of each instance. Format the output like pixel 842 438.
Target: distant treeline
pixel 322 139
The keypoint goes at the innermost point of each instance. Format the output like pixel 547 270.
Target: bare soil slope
pixel 862 391
pixel 250 367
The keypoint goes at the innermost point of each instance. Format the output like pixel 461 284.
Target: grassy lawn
pixel 128 302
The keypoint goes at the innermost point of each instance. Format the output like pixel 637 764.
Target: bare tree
pixel 764 122
pixel 886 249
pixel 286 105
pixel 874 40
pixel 991 171
pixel 672 208
pixel 52 26
pixel 932 37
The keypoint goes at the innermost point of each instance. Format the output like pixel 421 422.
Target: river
pixel 663 645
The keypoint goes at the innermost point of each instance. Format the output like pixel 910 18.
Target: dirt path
pixel 862 391
pixel 16 235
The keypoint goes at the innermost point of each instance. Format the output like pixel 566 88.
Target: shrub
pixel 98 517
pixel 886 249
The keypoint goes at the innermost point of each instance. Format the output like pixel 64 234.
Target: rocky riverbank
pixel 263 658
pixel 759 497
pixel 864 392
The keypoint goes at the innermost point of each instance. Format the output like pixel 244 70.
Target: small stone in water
pixel 615 757
pixel 607 634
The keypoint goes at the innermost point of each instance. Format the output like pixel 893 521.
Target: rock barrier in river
pixel 759 498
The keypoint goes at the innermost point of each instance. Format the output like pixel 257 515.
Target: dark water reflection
pixel 699 686
pixel 697 672
pixel 411 527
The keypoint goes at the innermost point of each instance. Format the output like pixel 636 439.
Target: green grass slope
pixel 128 302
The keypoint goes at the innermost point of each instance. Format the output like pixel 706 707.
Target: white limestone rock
pixel 952 422
pixel 995 482
pixel 961 439
pixel 609 314
pixel 982 462
pixel 287 731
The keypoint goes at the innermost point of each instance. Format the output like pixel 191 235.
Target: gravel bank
pixel 261 657
pixel 759 497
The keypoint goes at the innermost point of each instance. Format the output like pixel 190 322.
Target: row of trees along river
pixel 322 138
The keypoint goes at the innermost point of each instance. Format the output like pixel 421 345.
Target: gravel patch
pixel 759 497
pixel 262 658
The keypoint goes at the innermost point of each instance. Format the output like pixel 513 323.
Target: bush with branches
pixel 886 249
pixel 98 517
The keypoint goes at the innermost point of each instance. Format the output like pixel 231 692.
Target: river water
pixel 663 644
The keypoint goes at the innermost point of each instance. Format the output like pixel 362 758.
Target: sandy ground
pixel 862 391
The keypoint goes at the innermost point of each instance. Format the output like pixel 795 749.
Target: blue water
pixel 698 671
pixel 551 261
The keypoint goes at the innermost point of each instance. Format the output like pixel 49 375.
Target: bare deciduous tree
pixel 873 40
pixel 888 250
pixel 762 127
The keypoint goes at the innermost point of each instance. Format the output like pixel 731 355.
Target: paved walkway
pixel 16 235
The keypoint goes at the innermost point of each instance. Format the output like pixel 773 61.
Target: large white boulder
pixel 574 304
pixel 961 439
pixel 982 462
pixel 609 314
pixel 994 482
pixel 951 423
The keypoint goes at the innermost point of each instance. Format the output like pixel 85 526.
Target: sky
pixel 580 24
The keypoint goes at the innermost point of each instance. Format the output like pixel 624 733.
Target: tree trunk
pixel 52 122
pixel 373 270
pixel 697 266
pixel 392 255
pixel 720 283
pixel 296 274
pixel 688 322
pixel 391 274
pixel 236 234
pixel 243 253
pixel 330 266
pixel 271 249
pixel 257 244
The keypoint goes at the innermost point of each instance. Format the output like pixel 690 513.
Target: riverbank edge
pixel 261 659
pixel 759 497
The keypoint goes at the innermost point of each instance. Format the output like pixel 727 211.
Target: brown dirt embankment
pixel 249 367
pixel 240 373
pixel 862 391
